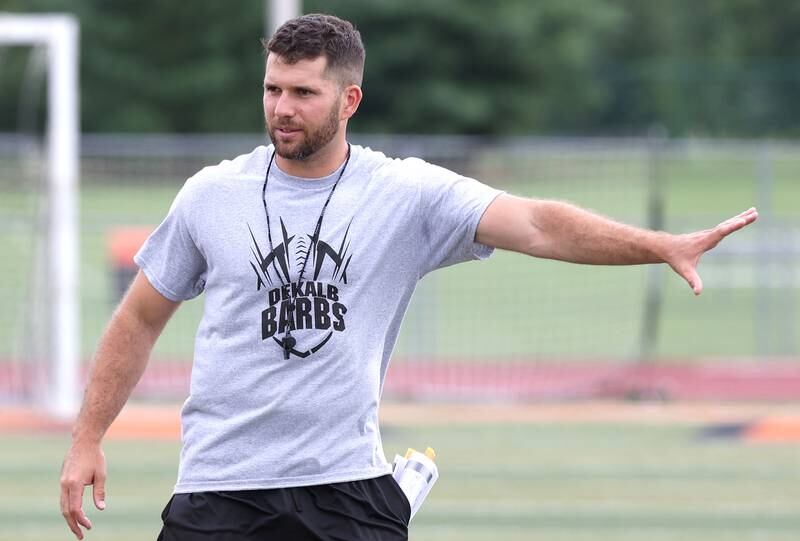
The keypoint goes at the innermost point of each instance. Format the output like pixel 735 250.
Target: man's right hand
pixel 85 464
pixel 119 363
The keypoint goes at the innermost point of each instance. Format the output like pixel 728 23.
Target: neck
pixel 320 164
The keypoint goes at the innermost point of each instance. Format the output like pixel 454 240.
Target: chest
pixel 360 234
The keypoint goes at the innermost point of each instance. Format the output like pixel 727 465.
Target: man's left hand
pixel 685 251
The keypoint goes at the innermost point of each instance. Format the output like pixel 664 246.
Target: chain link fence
pixel 478 317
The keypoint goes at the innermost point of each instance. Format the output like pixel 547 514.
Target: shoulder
pixel 244 167
pixel 366 160
pixel 396 170
pixel 228 174
pixel 220 182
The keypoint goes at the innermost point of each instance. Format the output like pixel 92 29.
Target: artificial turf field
pixel 573 480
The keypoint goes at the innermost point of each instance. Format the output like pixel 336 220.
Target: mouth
pixel 287 132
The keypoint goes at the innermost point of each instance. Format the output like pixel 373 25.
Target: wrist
pixel 664 246
pixel 83 436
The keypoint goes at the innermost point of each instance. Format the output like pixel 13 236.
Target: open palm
pixel 687 249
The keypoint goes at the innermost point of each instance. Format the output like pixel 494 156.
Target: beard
pixel 311 141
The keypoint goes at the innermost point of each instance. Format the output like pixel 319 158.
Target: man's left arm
pixel 558 230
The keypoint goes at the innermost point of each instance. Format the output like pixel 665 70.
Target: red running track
pixel 530 380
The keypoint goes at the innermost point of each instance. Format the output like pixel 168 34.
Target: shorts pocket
pixel 165 512
pixel 400 499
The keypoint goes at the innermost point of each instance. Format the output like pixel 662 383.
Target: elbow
pixel 542 246
pixel 537 240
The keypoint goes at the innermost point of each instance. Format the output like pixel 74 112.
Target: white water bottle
pixel 416 473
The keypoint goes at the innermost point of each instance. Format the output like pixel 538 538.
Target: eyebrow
pixel 309 88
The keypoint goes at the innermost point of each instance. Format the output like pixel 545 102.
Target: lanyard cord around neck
pixel 289 341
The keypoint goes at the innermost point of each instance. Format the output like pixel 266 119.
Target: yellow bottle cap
pixel 430 453
pixel 410 452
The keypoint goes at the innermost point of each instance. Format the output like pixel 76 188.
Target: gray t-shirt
pixel 253 419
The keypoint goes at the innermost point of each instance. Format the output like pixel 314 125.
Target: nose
pixel 284 106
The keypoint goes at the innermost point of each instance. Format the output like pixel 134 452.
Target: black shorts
pixel 371 509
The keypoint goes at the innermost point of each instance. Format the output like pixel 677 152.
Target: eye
pixel 271 89
pixel 305 92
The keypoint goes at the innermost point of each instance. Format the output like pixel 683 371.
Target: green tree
pixel 167 66
pixel 719 67
pixel 469 66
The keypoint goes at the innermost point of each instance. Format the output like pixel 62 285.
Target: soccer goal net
pixel 39 322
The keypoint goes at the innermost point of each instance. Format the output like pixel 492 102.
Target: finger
pixel 750 215
pixel 746 212
pixel 729 226
pixel 693 279
pixel 65 512
pixel 73 526
pixel 75 502
pixel 741 220
pixel 697 284
pixel 737 222
pixel 85 522
pixel 99 491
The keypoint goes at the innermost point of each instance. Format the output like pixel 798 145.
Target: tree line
pixel 718 67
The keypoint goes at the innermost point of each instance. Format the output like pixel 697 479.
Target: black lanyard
pixel 290 341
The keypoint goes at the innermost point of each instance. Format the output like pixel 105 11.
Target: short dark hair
pixel 316 34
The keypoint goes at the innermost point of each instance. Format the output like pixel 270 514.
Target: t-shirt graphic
pixel 313 305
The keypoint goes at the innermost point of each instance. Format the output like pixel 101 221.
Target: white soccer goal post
pixel 59 35
pixel 277 12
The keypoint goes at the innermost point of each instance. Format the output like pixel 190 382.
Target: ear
pixel 351 100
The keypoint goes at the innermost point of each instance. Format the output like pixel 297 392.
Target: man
pixel 308 252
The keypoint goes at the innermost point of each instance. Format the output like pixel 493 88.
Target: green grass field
pixel 537 481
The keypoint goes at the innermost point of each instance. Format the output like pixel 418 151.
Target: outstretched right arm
pixel 121 358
